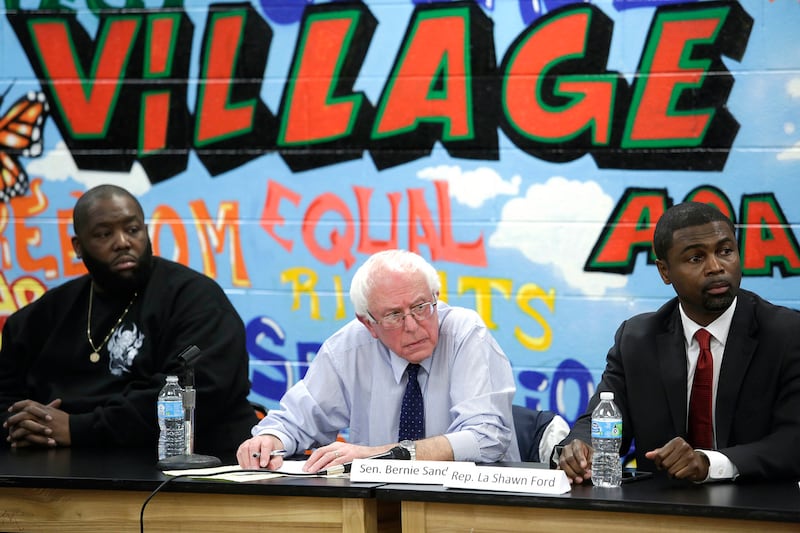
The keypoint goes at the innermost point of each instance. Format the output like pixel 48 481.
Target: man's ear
pixel 76 247
pixel 663 271
pixel 369 324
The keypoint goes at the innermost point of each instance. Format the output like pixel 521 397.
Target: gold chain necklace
pixel 95 355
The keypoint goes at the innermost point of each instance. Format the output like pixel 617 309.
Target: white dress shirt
pixel 720 467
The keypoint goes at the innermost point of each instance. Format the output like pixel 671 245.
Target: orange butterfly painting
pixel 20 134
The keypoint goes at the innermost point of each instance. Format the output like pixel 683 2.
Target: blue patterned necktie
pixel 412 412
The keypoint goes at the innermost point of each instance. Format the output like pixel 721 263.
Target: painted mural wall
pixel 525 148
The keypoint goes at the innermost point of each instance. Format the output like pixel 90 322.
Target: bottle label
pixel 607 429
pixel 170 409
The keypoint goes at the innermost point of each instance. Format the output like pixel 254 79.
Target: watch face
pixel 411 447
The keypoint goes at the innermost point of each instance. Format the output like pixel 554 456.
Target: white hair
pixel 388 261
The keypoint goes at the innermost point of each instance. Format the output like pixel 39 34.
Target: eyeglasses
pixel 419 312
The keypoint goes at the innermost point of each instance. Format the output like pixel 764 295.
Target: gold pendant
pixel 94 357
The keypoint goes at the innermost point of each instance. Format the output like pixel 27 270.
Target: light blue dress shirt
pixel 356 382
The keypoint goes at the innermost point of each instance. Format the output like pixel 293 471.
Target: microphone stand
pixel 189 459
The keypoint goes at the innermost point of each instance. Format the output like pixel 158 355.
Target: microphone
pixel 189 459
pixel 189 355
pixel 398 452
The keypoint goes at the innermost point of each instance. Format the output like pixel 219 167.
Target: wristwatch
pixel 411 446
pixel 556 455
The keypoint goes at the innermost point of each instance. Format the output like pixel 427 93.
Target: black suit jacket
pixel 758 395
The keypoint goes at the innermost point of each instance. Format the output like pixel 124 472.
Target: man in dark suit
pixel 753 412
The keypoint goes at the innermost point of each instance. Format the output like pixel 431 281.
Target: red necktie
pixel 701 431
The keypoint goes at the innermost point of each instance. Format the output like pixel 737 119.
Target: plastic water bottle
pixel 171 438
pixel 606 439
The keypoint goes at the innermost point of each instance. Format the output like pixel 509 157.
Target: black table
pixel 104 490
pixel 656 503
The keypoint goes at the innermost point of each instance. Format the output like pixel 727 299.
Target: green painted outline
pixel 607 234
pixel 354 15
pixel 770 261
pixel 242 14
pixel 592 78
pixel 85 84
pixel 464 13
pixel 148 71
pixel 720 13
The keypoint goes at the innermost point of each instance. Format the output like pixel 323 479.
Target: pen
pixel 273 453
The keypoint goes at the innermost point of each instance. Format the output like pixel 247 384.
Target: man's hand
pixel 255 453
pixel 680 460
pixel 338 453
pixel 34 424
pixel 576 461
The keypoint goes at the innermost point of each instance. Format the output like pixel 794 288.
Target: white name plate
pixel 530 480
pixel 399 471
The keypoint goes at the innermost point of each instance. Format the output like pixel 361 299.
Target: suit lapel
pixel 739 349
pixel 672 365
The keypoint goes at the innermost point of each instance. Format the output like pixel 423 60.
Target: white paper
pixel 292 467
pixel 235 473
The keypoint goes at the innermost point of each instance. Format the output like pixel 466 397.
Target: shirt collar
pixel 399 365
pixel 718 328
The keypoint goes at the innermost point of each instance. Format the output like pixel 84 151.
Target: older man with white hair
pixel 409 370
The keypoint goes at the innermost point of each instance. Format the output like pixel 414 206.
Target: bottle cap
pixel 172 378
pixel 608 395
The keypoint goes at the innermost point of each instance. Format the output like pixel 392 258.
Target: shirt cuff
pixel 719 466
pixel 464 446
pixel 556 431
